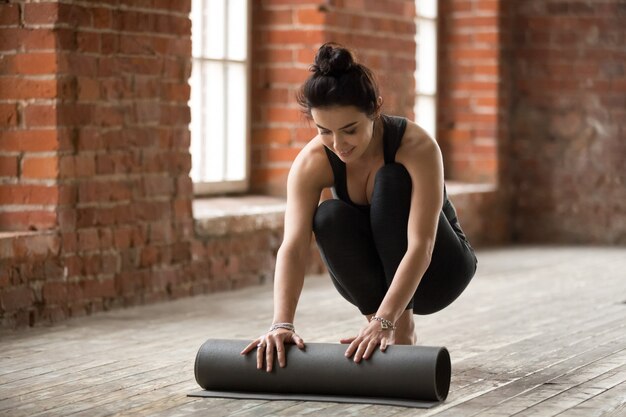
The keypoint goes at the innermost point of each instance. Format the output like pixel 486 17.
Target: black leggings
pixel 362 250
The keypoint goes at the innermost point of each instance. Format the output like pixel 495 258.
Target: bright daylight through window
pixel 219 95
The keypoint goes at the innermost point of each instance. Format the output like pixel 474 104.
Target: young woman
pixel 390 238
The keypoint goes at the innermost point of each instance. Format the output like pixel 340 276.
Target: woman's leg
pixel 344 238
pixel 452 264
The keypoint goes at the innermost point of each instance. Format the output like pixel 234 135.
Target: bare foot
pixel 405 332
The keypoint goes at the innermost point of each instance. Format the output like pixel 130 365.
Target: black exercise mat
pixel 408 376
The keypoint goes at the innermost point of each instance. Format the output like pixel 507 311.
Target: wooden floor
pixel 540 331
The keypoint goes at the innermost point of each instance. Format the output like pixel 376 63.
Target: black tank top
pixel 393 131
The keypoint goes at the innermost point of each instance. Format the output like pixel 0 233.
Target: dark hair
pixel 338 79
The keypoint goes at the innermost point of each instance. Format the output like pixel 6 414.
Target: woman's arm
pixel 303 195
pixel 421 156
pixel 307 177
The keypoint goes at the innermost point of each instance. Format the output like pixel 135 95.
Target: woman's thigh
pixel 344 237
pixel 451 269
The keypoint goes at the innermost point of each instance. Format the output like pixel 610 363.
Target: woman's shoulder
pixel 417 145
pixel 311 164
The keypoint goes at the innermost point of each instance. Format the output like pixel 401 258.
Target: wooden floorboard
pixel 540 331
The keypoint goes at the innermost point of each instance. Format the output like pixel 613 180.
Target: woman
pixel 390 239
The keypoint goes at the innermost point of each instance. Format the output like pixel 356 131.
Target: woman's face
pixel 345 130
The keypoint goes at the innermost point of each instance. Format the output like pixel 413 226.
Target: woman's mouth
pixel 346 153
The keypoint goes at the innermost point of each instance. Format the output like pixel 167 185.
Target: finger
pixel 280 350
pixel 371 347
pixel 353 346
pixel 298 341
pixel 360 351
pixel 269 356
pixel 383 344
pixel 347 340
pixel 259 355
pixel 251 346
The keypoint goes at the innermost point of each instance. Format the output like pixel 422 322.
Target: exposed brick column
pixel 468 88
pixel 383 34
pixel 127 221
pixel 95 124
pixel 567 133
pixel 284 37
pixel 29 139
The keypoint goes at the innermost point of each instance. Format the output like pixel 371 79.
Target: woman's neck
pixel 374 148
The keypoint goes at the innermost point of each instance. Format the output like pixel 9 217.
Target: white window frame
pixel 202 132
pixel 426 65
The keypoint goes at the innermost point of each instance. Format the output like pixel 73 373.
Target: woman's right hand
pixel 271 341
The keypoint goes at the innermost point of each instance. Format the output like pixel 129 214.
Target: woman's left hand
pixel 368 339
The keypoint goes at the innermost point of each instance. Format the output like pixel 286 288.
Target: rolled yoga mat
pixel 408 376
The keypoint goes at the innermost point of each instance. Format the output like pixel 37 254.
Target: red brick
pixel 102 18
pixel 95 288
pixel 34 63
pixel 282 154
pixel 88 42
pixel 22 88
pixel 36 115
pixel 41 13
pixel 24 194
pixel 286 75
pixel 283 114
pixel 8 116
pixel 28 220
pixel 36 247
pixel 37 39
pixel 312 16
pixel 88 240
pixel 17 298
pixel 306 56
pixel 40 167
pixel 487 6
pixel 288 37
pixel 9 14
pixel 8 167
pixel 281 136
pixel 54 292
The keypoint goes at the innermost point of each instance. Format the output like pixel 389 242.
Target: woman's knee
pixel 393 178
pixel 329 215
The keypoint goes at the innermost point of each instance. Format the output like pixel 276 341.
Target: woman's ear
pixel 379 105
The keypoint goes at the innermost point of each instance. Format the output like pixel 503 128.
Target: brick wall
pixel 94 148
pixel 30 143
pixel 469 100
pixel 95 116
pixel 568 115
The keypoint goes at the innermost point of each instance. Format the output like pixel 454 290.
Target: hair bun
pixel 332 60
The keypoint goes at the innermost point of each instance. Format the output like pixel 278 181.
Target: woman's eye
pixel 325 132
pixel 351 132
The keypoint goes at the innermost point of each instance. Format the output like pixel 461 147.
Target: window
pixel 219 95
pixel 426 73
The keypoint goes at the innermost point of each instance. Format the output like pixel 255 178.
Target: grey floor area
pixel 541 331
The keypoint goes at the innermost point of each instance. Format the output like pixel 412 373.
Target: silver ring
pixel 260 345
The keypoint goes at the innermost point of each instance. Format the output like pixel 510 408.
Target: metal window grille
pixel 426 72
pixel 220 95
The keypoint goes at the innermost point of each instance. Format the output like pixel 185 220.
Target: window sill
pixel 457 187
pixel 221 216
